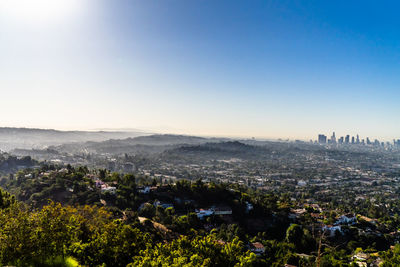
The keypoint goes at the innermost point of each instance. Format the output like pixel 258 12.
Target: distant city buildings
pixel 355 140
pixel 341 140
pixel 333 138
pixel 322 139
pixel 397 143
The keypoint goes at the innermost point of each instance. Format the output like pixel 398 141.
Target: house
pixel 332 229
pixel 204 213
pixel 296 213
pixel 144 190
pixel 111 189
pixel 347 219
pixel 360 256
pixel 163 205
pixel 257 248
pixel 222 210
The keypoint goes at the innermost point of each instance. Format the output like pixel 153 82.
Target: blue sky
pixel 270 69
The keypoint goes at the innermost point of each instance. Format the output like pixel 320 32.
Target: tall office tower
pixel 341 140
pixel 398 142
pixel 368 141
pixel 352 140
pixel 363 142
pixel 333 138
pixel 347 140
pixel 358 139
pixel 322 139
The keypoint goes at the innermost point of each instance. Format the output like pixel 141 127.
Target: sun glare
pixel 39 11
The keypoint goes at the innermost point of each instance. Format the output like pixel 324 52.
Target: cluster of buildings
pixel 354 140
pixel 104 187
pixel 291 166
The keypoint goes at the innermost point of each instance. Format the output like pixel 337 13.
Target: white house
pixel 347 219
pixel 112 190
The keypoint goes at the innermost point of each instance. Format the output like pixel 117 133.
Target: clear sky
pixel 289 69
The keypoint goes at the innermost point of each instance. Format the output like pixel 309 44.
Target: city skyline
pixel 268 69
pixel 348 139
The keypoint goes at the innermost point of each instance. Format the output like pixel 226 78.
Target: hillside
pixel 220 150
pixel 27 138
pixel 140 144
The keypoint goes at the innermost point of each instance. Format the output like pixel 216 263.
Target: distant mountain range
pixel 147 144
pixel 47 144
pixel 28 138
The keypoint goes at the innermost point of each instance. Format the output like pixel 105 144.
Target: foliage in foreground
pixel 50 236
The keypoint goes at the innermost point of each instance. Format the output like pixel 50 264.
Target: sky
pixel 264 69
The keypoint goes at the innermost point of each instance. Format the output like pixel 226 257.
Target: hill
pixel 220 150
pixel 141 144
pixel 28 138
